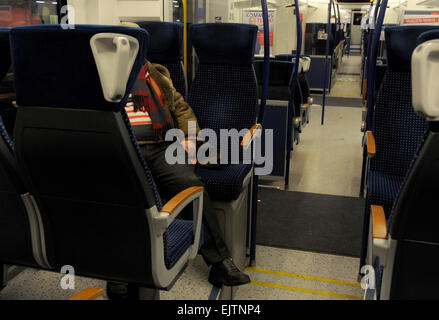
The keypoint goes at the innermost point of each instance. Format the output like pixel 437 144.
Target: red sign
pixel 420 20
pixel 261 38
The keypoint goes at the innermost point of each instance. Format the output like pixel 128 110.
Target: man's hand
pixel 190 145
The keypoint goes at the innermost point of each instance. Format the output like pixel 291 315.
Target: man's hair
pixel 129 24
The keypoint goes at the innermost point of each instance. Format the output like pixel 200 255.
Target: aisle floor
pixel 328 158
pixel 279 274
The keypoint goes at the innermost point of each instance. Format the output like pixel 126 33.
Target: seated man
pixel 154 107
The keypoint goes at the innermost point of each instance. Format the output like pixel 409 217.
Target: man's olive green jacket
pixel 179 111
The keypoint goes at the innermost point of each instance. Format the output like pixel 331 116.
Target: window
pixel 26 12
pixel 178 11
pixel 357 18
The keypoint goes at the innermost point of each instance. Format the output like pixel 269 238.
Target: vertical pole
pixel 326 76
pixel 184 2
pixel 260 120
pixel 293 86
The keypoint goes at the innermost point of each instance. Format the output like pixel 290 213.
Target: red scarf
pixel 146 99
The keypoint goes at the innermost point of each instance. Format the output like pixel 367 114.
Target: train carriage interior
pixel 219 149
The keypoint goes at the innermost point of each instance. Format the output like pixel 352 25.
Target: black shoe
pixel 117 291
pixel 226 273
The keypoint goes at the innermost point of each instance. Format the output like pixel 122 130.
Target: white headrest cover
pixel 300 66
pixel 425 70
pixel 114 55
pixel 306 64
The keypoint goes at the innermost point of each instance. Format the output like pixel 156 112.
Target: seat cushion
pixel 383 189
pixel 225 184
pixel 177 239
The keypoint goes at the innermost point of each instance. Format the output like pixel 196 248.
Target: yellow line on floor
pixel 301 276
pixel 344 85
pixel 324 293
pixel 344 95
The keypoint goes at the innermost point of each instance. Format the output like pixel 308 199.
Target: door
pixel 356 28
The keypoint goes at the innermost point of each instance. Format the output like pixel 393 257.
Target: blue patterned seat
pixel 5 135
pixel 166 47
pixel 226 184
pixel 383 189
pixel 179 237
pixel 397 129
pixel 224 94
pixel 406 257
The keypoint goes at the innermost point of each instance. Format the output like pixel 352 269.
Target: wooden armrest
pixel 89 294
pixel 379 224
pixel 177 201
pixel 249 136
pixel 370 140
pixel 364 91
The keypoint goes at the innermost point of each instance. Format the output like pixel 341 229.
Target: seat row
pixel 399 237
pixel 75 189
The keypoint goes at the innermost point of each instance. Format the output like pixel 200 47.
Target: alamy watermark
pixel 228 144
pixel 68 18
pixel 368 281
pixel 67 281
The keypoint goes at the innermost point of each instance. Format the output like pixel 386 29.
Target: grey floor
pixel 327 161
pixel 328 158
pixel 347 82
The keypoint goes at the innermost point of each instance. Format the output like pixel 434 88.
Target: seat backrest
pixel 280 78
pixel 224 91
pixel 77 152
pixel 414 220
pixel 397 128
pixel 281 75
pixel 16 240
pixel 166 47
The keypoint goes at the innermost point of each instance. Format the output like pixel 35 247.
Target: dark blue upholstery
pixel 65 76
pixel 166 47
pixel 224 98
pixel 281 73
pixel 225 184
pixel 224 43
pixel 396 126
pixel 383 190
pixel 400 42
pixel 5 135
pixel 224 94
pixel 378 276
pixel 165 42
pixel 179 237
pixel 428 35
